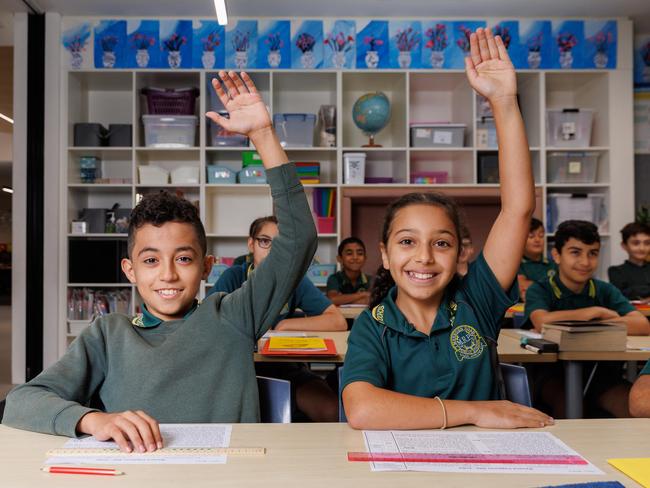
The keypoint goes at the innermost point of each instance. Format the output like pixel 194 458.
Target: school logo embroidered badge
pixel 466 342
pixel 378 313
pixel 137 321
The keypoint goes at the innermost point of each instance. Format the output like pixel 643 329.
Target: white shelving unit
pixel 416 96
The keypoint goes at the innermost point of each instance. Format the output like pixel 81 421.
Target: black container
pixel 488 167
pixel 88 134
pixel 105 256
pixel 120 135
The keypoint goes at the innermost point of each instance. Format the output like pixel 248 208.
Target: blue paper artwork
pixel 568 44
pixel 437 41
pixel 642 60
pixel 274 44
pixel 509 32
pixel 535 43
pixel 460 47
pixel 208 44
pixel 110 44
pixel 307 44
pixel 339 45
pixel 176 43
pixel 372 44
pixel 142 43
pixel 75 39
pixel 600 44
pixel 241 45
pixel 405 44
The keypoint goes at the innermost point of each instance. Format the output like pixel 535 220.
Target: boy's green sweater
pixel 199 369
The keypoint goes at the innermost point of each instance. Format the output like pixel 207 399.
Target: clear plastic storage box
pixel 220 137
pixel 591 207
pixel 221 175
pixel 169 130
pixel 569 127
pixel 572 167
pixel 319 273
pixel 437 135
pixel 295 130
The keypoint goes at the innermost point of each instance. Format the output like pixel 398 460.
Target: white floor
pixel 5 350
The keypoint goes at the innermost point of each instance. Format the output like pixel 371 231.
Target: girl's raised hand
pixel 244 104
pixel 488 67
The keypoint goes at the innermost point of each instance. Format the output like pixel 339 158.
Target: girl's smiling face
pixel 421 253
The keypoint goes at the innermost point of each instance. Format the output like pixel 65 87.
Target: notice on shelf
pixel 473 452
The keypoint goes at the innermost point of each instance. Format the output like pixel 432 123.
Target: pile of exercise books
pixel 592 335
pixel 309 172
pixel 300 346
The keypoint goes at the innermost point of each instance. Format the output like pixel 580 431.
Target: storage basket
pixel 318 273
pixel 171 101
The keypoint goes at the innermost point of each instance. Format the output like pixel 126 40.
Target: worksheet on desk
pixel 174 435
pixel 475 452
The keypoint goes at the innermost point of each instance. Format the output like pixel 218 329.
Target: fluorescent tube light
pixel 8 119
pixel 222 15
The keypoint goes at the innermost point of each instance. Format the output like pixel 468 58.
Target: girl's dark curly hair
pixel 383 280
pixel 162 207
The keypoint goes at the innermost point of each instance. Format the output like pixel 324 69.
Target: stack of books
pixel 309 172
pixel 299 346
pixel 575 335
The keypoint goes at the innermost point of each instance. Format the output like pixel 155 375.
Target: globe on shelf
pixel 371 113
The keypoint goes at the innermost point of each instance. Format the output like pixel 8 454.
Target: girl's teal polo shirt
pixel 453 361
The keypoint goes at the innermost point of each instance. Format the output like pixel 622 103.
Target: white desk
pixel 314 456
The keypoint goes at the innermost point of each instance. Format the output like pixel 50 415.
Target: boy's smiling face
pixel 577 261
pixel 353 257
pixel 167 265
pixel 638 247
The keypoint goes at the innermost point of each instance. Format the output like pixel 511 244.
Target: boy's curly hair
pixel 162 207
pixel 585 232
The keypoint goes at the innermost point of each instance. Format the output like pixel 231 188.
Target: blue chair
pixel 342 417
pixel 515 380
pixel 275 400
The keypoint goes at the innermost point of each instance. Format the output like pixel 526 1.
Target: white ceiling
pixel 637 10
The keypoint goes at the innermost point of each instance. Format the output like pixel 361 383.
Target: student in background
pixel 351 284
pixel 633 276
pixel 574 294
pixel 640 394
pixel 466 251
pixel 178 361
pixel 534 266
pixel 313 396
pixel 419 358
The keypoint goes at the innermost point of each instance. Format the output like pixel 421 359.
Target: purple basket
pixel 171 101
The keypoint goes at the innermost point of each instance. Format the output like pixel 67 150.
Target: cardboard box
pixel 586 336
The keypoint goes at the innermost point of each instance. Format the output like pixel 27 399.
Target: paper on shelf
pixel 520 452
pixel 174 435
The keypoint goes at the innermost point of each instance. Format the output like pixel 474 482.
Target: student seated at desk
pixel 178 361
pixel 419 357
pixel 633 276
pixel 574 294
pixel 640 394
pixel 466 251
pixel 351 284
pixel 534 266
pixel 313 396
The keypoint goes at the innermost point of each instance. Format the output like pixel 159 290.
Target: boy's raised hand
pixel 488 67
pixel 244 104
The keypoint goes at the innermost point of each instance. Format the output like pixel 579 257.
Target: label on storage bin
pixel 422 133
pixel 568 130
pixel 575 167
pixel 482 138
pixel 442 137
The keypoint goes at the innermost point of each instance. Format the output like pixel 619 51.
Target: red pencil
pixel 82 470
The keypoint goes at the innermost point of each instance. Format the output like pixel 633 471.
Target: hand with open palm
pixel 246 109
pixel 488 67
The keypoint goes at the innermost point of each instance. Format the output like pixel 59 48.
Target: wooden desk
pixel 351 312
pixel 519 308
pixel 509 351
pixel 314 455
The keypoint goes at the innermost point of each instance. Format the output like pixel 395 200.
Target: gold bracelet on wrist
pixel 444 413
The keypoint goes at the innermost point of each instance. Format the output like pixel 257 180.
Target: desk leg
pixel 630 374
pixel 573 389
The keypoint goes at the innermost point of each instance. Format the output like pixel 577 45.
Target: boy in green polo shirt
pixel 640 394
pixel 574 294
pixel 178 362
pixel 350 285
pixel 534 266
pixel 633 276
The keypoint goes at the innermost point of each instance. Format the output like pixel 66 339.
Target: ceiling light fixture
pixel 222 15
pixel 7 189
pixel 8 119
